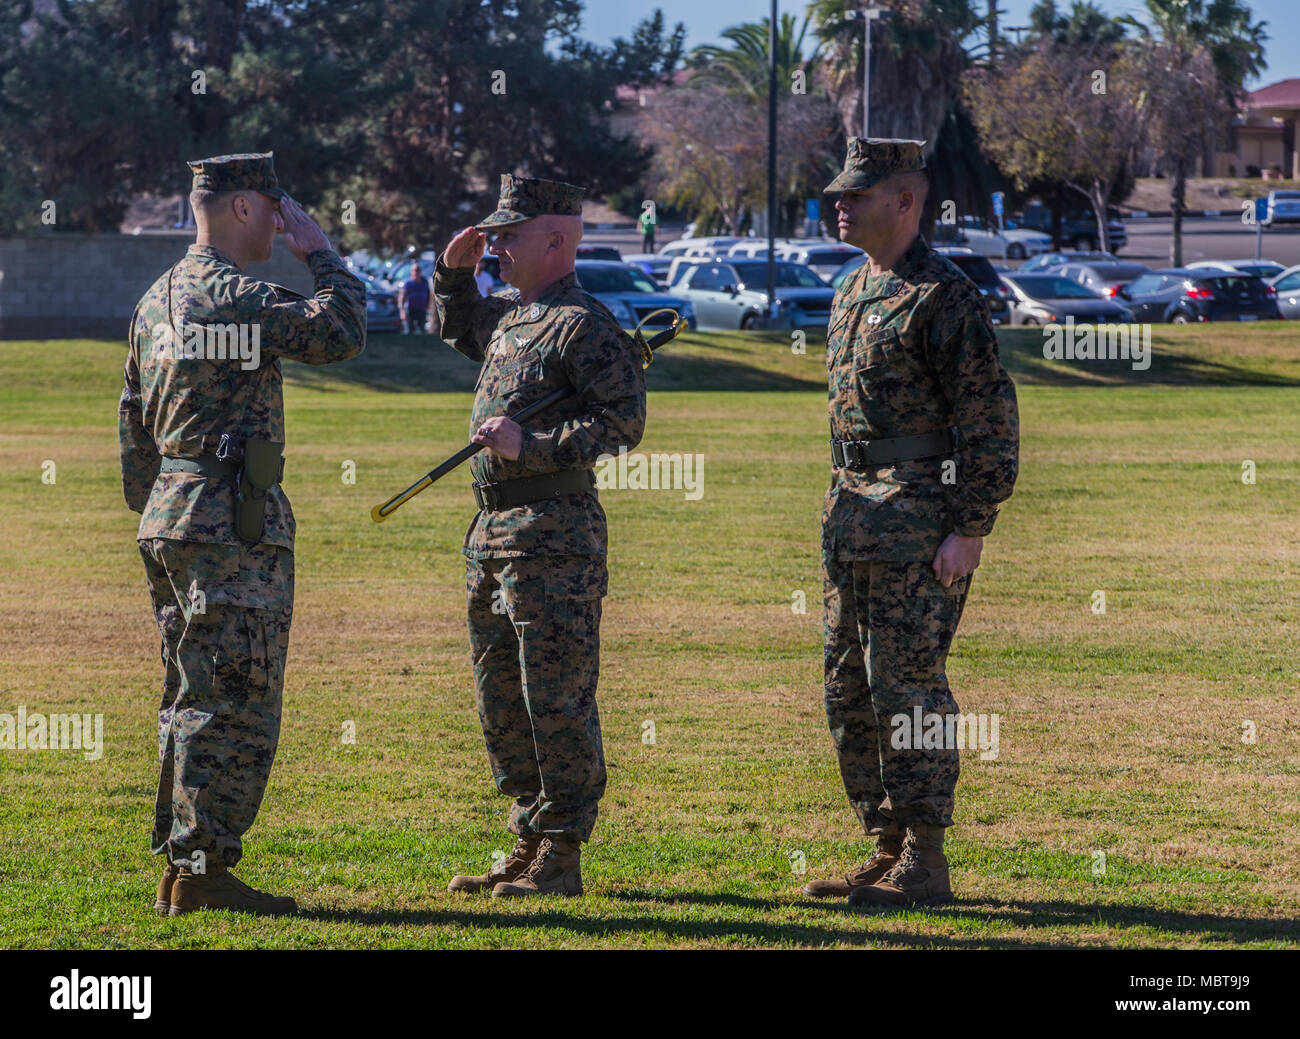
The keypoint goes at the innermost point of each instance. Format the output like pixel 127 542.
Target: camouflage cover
pixel 250 171
pixel 870 160
pixel 523 198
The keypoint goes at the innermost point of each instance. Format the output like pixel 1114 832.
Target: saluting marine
pixel 924 448
pixel 535 568
pixel 201 424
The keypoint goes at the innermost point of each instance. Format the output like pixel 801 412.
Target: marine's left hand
pixel 502 436
pixel 957 557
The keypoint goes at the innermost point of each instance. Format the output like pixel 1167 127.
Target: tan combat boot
pixel 512 867
pixel 218 888
pixel 163 902
pixel 919 878
pixel 889 846
pixel 556 871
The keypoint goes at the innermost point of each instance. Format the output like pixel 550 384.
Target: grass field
pixel 1121 733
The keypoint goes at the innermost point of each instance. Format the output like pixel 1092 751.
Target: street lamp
pixel 867 16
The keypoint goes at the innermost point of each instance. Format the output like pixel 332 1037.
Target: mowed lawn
pixel 1121 734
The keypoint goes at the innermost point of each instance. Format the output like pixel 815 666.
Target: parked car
pixel 1287 287
pixel 1184 295
pixel 382 314
pixel 846 268
pixel 364 261
pixel 1260 268
pixel 749 249
pixel 986 279
pixel 654 264
pixel 681 264
pixel 629 294
pixel 1105 278
pixel 1078 227
pixel 824 256
pixel 1283 208
pixel 734 295
pixel 599 252
pixel 974 266
pixel 698 246
pixel 396 272
pixel 1013 242
pixel 1050 261
pixel 1040 299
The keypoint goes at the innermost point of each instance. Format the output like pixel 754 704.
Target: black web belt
pixel 871 454
pixel 510 494
pixel 205 466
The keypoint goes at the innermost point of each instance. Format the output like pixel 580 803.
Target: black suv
pixel 1078 228
pixel 1183 295
pixel 986 278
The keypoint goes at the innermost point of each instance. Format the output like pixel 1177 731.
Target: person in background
pixel 482 278
pixel 413 299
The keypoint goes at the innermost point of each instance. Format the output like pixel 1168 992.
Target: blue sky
pixel 606 19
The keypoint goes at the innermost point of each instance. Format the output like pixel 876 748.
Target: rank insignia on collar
pixel 535 312
pixel 873 319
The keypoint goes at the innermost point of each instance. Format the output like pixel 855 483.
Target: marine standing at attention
pixel 924 448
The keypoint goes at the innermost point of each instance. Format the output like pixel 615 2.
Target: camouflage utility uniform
pixel 535 572
pixel 909 352
pixel 223 606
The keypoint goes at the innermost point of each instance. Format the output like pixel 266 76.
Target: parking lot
pixel 1204 238
pixel 1209 238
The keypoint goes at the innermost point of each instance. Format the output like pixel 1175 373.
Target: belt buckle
pixel 487 497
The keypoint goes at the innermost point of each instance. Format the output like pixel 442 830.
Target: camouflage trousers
pixel 888 627
pixel 224 613
pixel 534 636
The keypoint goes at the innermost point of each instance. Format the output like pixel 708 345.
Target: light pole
pixel 771 167
pixel 867 16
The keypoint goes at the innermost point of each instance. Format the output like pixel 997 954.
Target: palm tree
pixel 743 67
pixel 918 58
pixel 738 75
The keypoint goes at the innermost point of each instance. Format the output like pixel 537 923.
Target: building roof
pixel 1283 94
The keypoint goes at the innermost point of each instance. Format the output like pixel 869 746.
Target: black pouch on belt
pixel 262 469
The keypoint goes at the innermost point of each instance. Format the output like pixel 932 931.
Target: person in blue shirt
pixel 414 300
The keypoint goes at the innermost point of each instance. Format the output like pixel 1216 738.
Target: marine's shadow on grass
pixel 425 364
pixel 1033 915
pixel 1021 350
pixel 610 927
pixel 1053 914
pixel 1223 354
pixel 1045 914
